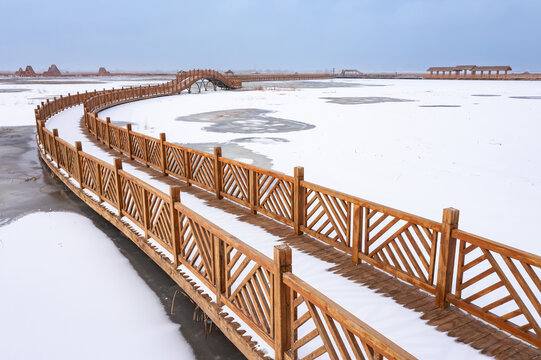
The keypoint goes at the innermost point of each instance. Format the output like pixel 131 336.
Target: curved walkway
pixel 387 304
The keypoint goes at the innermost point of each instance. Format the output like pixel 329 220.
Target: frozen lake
pixel 418 146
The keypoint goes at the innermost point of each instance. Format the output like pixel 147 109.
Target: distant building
pixel 27 72
pixel 52 71
pixel 467 71
pixel 229 72
pixel 351 72
pixel 103 72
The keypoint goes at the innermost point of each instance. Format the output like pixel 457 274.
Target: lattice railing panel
pixel 102 129
pixel 114 138
pixel 328 217
pixel 317 334
pixel 235 181
pixel 249 290
pixel 138 146
pixel 67 158
pixel 175 160
pixel 132 200
pixel 498 285
pixel 123 141
pixel 159 226
pixel 90 173
pixel 197 249
pixel 408 247
pixel 275 196
pixel 108 184
pixel 154 152
pixel 202 170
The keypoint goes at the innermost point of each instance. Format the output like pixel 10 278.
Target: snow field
pixel 67 293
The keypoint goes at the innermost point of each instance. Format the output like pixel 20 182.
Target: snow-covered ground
pixel 20 96
pixel 391 154
pixel 68 293
pixel 472 145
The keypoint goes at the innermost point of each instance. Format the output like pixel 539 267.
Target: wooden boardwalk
pixel 452 321
pixel 421 264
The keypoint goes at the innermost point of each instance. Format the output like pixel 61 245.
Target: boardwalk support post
pixel 118 166
pixel 55 136
pixel 187 167
pixel 447 256
pixel 218 171
pixel 356 232
pixel 252 190
pixel 219 269
pixel 78 149
pixel 298 202
pixel 162 154
pixel 282 302
pixel 174 193
pixel 130 145
pixel 108 135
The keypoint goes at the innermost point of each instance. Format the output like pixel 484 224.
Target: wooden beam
pixel 282 302
pixel 447 256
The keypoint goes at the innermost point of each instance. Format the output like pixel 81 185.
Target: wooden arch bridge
pixel 433 267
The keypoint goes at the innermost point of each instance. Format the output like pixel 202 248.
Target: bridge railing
pixel 239 277
pixel 415 249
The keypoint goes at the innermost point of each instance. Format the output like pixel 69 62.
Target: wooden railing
pixel 254 287
pixel 280 77
pixel 417 250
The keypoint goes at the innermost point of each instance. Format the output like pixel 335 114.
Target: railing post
pixel 187 167
pixel 174 194
pixel 298 202
pixel 78 149
pixel 108 135
pixel 146 212
pixel 118 166
pixel 356 232
pixel 218 171
pixel 219 269
pixel 162 154
pixel 447 256
pixel 96 126
pixel 252 191
pixel 282 302
pixel 145 151
pixel 55 135
pixel 130 145
pixel 99 183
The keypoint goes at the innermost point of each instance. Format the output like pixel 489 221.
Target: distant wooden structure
pixel 469 72
pixel 29 71
pixel 52 71
pixel 103 72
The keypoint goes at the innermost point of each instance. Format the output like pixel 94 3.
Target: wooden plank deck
pixel 453 321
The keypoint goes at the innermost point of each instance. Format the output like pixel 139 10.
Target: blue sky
pixel 301 35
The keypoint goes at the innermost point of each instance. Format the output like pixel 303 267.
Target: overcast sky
pixel 300 35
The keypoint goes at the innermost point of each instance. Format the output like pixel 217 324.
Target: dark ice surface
pixel 526 97
pixel 9 91
pixel 440 106
pixel 363 100
pixel 245 121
